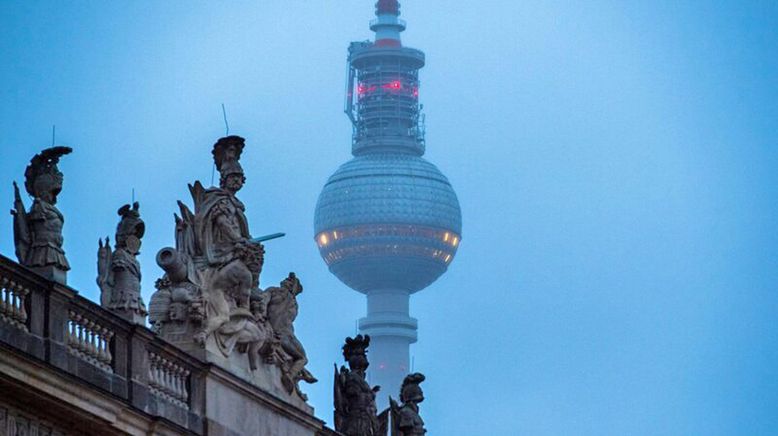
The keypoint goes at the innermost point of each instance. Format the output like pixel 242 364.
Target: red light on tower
pixel 395 85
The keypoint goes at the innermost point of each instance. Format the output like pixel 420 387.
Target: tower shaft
pixel 392 331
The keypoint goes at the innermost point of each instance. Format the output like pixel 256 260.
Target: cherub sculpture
pixel 406 420
pixel 118 270
pixel 38 233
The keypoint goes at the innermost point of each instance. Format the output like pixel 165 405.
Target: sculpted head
pixel 43 180
pixel 130 229
pixel 355 352
pixel 232 181
pixel 411 392
pixel 226 156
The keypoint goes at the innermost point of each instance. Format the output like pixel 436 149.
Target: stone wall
pixel 63 356
pixel 14 422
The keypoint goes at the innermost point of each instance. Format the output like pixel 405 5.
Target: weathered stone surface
pixel 355 406
pixel 406 420
pixel 38 232
pixel 118 270
pixel 232 410
pixel 14 421
pixel 282 310
pixel 209 301
pixel 73 359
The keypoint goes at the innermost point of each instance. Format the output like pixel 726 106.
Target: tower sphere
pixel 388 221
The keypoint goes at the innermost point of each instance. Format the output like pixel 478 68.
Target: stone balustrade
pixel 54 329
pixel 12 303
pixel 168 380
pixel 53 324
pixel 89 340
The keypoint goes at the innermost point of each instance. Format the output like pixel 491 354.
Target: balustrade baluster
pixel 6 297
pixel 80 339
pixel 22 306
pixel 177 378
pixel 108 357
pixel 184 388
pixel 14 303
pixel 169 379
pixel 177 381
pixel 93 329
pixel 100 344
pixel 71 328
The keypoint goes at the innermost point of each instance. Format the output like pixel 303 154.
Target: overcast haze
pixel 616 164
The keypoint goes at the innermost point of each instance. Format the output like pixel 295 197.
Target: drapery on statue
pixel 355 407
pixel 38 233
pixel 210 295
pixel 282 310
pixel 406 420
pixel 118 271
pixel 215 266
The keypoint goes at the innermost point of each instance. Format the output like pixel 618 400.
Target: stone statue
pixel 355 407
pixel 118 271
pixel 215 266
pixel 282 310
pixel 38 233
pixel 209 297
pixel 405 419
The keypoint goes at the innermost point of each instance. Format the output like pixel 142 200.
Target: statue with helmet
pixel 209 297
pixel 38 232
pixel 355 406
pixel 118 270
pixel 406 420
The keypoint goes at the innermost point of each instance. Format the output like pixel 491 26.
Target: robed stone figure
pixel 355 407
pixel 38 232
pixel 118 270
pixel 210 295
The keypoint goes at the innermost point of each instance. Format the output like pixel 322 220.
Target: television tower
pixel 388 222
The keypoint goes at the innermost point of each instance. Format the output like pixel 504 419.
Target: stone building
pixel 70 367
pixel 221 357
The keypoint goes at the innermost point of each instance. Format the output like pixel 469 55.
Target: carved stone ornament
pixel 406 420
pixel 282 310
pixel 38 233
pixel 118 270
pixel 209 297
pixel 355 406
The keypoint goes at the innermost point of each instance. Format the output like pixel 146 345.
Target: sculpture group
pixel 355 400
pixel 209 296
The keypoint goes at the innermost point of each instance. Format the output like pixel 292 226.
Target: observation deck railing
pixel 377 22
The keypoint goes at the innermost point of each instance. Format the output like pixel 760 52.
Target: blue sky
pixel 616 163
